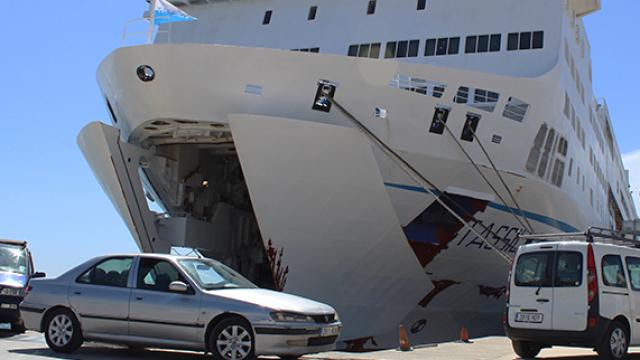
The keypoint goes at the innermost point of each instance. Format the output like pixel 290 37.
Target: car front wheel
pixel 525 349
pixel 62 331
pixel 615 343
pixel 232 339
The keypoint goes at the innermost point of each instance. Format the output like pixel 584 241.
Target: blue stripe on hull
pixel 555 223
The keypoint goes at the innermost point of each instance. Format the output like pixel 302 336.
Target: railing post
pixel 152 18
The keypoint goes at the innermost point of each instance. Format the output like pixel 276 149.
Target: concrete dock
pixel 32 346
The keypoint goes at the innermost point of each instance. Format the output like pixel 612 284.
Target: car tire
pixel 615 342
pixel 525 349
pixel 232 339
pixel 62 331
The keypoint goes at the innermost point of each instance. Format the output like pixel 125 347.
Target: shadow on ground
pixel 106 353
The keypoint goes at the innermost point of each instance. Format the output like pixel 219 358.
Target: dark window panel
pixel 480 96
pixel 496 39
pixel 470 46
pixel 430 47
pixel 391 50
pixel 375 51
pixel 422 4
pixel 414 45
pixel 353 50
pixel 525 41
pixel 403 47
pixel 538 39
pixel 470 126
pixel 440 117
pixel 315 50
pixel 512 41
pixel 312 13
pixel 364 50
pixel 371 9
pixel 463 95
pixel 267 17
pixel 483 43
pixel 454 45
pixel 443 45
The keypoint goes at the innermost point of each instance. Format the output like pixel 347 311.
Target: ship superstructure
pixel 221 123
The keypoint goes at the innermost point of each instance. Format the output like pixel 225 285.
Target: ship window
pixel 515 109
pixel 443 45
pixel 371 9
pixel 364 50
pixel 542 168
pixel 538 39
pixel 267 17
pixel 391 49
pixel 418 85
pixel 570 167
pixel 375 51
pixel 567 106
pixel 480 98
pixel 534 153
pixel 413 48
pixel 353 50
pixel 454 45
pixel 470 126
pixel 430 47
pixel 312 13
pixel 558 173
pixel 496 39
pixel 525 40
pixel 512 41
pixel 403 47
pixel 471 44
pixel 440 117
pixel 483 43
pixel 496 139
pixel 422 4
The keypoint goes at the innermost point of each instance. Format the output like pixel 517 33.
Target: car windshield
pixel 212 275
pixel 13 259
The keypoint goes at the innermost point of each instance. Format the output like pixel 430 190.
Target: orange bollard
pixel 464 335
pixel 405 345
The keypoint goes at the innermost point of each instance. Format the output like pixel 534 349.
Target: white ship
pixel 237 126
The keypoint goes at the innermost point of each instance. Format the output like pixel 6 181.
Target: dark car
pixel 16 269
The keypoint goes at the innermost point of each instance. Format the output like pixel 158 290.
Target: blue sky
pixel 47 67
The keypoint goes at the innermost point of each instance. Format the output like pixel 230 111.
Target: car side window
pixel 110 272
pixel 612 271
pixel 157 274
pixel 633 268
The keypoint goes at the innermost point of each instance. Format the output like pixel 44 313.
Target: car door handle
pixel 543 300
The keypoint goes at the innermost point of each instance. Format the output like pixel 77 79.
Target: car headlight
pixel 8 291
pixel 290 317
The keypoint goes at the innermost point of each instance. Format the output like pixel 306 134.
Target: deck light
pixel 146 73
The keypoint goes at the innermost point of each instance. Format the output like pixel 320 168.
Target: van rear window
pixel 533 269
pixel 536 270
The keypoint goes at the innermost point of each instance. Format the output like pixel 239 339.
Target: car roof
pixel 537 245
pixel 147 255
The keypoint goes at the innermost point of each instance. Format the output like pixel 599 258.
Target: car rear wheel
pixel 615 343
pixel 232 339
pixel 525 349
pixel 62 331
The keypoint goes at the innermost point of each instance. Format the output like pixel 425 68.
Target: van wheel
pixel 615 342
pixel 62 331
pixel 525 349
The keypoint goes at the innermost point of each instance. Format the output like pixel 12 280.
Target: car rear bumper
pixel 294 341
pixel 588 338
pixel 32 315
pixel 9 309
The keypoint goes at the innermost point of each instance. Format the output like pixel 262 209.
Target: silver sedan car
pixel 175 302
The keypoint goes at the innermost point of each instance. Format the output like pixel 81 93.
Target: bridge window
pixel 516 109
pixel 402 49
pixel 496 40
pixel 525 40
pixel 365 50
pixel 536 149
pixel 312 13
pixel 422 4
pixel 371 8
pixel 267 17
pixel 478 98
pixel 442 46
pixel 471 44
pixel 538 40
pixel 482 43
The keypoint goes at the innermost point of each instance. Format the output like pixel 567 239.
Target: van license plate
pixel 535 318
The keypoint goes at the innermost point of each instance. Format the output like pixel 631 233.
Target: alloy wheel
pixel 61 330
pixel 234 343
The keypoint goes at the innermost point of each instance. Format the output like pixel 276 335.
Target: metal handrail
pixel 591 235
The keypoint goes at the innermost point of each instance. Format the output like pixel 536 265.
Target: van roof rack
pixel 593 234
pixel 13 242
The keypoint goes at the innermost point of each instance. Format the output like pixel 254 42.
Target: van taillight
pixel 592 279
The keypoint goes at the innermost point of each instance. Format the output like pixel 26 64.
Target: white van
pixel 574 290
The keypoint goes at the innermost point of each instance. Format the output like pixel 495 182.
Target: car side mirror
pixel 178 286
pixel 39 275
